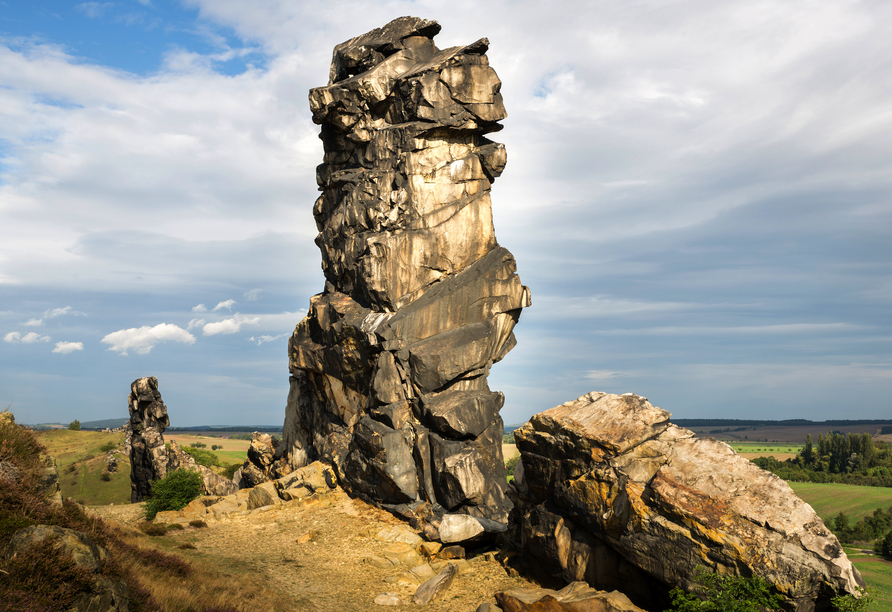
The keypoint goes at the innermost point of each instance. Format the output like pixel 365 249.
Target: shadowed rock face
pixel 148 420
pixel 389 367
pixel 609 491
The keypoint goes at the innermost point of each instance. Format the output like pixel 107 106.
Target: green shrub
pixel 215 446
pixel 153 529
pixel 884 547
pixel 203 457
pixel 106 477
pixel 108 446
pixel 716 593
pixel 173 492
pixel 510 465
pixel 230 470
pixel 175 527
pixel 197 523
pixel 75 425
pixel 198 445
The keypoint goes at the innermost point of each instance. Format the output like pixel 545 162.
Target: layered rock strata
pixel 389 368
pixel 608 491
pixel 148 420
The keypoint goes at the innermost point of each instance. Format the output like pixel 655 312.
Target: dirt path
pixel 326 573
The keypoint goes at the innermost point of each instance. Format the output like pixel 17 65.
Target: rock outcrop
pixel 265 461
pixel 610 492
pixel 148 420
pixel 389 368
pixel 575 597
pixel 104 594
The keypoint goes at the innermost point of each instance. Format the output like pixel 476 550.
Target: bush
pixel 173 492
pixel 510 465
pixel 75 425
pixel 153 529
pixel 187 546
pixel 197 523
pixel 106 477
pixel 108 447
pixel 715 593
pixel 215 447
pixel 175 527
pixel 884 546
pixel 198 445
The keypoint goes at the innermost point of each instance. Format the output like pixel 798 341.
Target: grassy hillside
pixel 81 461
pixel 877 573
pixel 830 499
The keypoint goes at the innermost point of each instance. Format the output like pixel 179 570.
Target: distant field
pixel 787 433
pixel 234 451
pixel 81 462
pixel 509 450
pixel 830 499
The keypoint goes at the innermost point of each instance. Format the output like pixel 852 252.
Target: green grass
pixel 85 484
pixel 227 457
pixel 830 499
pixel 877 574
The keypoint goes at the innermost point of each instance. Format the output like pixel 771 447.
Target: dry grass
pixel 198 587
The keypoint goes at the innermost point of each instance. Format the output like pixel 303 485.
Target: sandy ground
pixel 326 573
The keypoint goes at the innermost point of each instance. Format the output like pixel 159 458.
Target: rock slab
pixel 389 368
pixel 575 597
pixel 608 491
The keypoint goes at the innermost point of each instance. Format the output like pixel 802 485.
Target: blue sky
pixel 699 195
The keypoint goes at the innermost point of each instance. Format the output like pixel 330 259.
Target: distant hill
pixel 766 423
pixel 104 424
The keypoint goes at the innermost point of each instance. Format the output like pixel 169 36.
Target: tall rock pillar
pixel 389 368
pixel 148 420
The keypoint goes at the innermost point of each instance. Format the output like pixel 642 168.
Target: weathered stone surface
pixel 436 587
pixel 388 599
pixel 264 461
pixel 389 367
pixel 464 528
pixel 148 420
pixel 264 494
pixel 575 597
pixel 608 491
pixel 105 594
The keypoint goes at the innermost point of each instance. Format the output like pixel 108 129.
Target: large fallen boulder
pixel 575 597
pixel 608 491
pixel 389 367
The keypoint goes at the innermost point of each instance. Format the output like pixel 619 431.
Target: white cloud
pixel 143 339
pixel 94 9
pixel 29 338
pixel 68 347
pixel 252 295
pixel 33 323
pixel 57 312
pixel 229 326
pixel 605 375
pixel 264 339
pixel 199 308
pixel 228 304
pixel 195 323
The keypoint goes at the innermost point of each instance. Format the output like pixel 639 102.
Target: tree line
pixel 844 458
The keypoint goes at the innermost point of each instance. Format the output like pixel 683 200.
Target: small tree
pixel 841 523
pixel 715 593
pixel 75 425
pixel 884 546
pixel 173 492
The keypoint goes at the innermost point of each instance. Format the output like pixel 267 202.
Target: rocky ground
pixel 318 551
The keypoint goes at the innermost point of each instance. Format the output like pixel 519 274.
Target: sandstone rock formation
pixel 389 368
pixel 610 492
pixel 575 597
pixel 265 461
pixel 148 420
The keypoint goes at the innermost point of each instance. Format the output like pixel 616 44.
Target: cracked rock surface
pixel 608 491
pixel 389 368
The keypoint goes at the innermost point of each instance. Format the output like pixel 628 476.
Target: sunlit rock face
pixel 389 368
pixel 608 491
pixel 148 420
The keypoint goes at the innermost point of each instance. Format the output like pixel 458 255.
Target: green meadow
pixel 830 499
